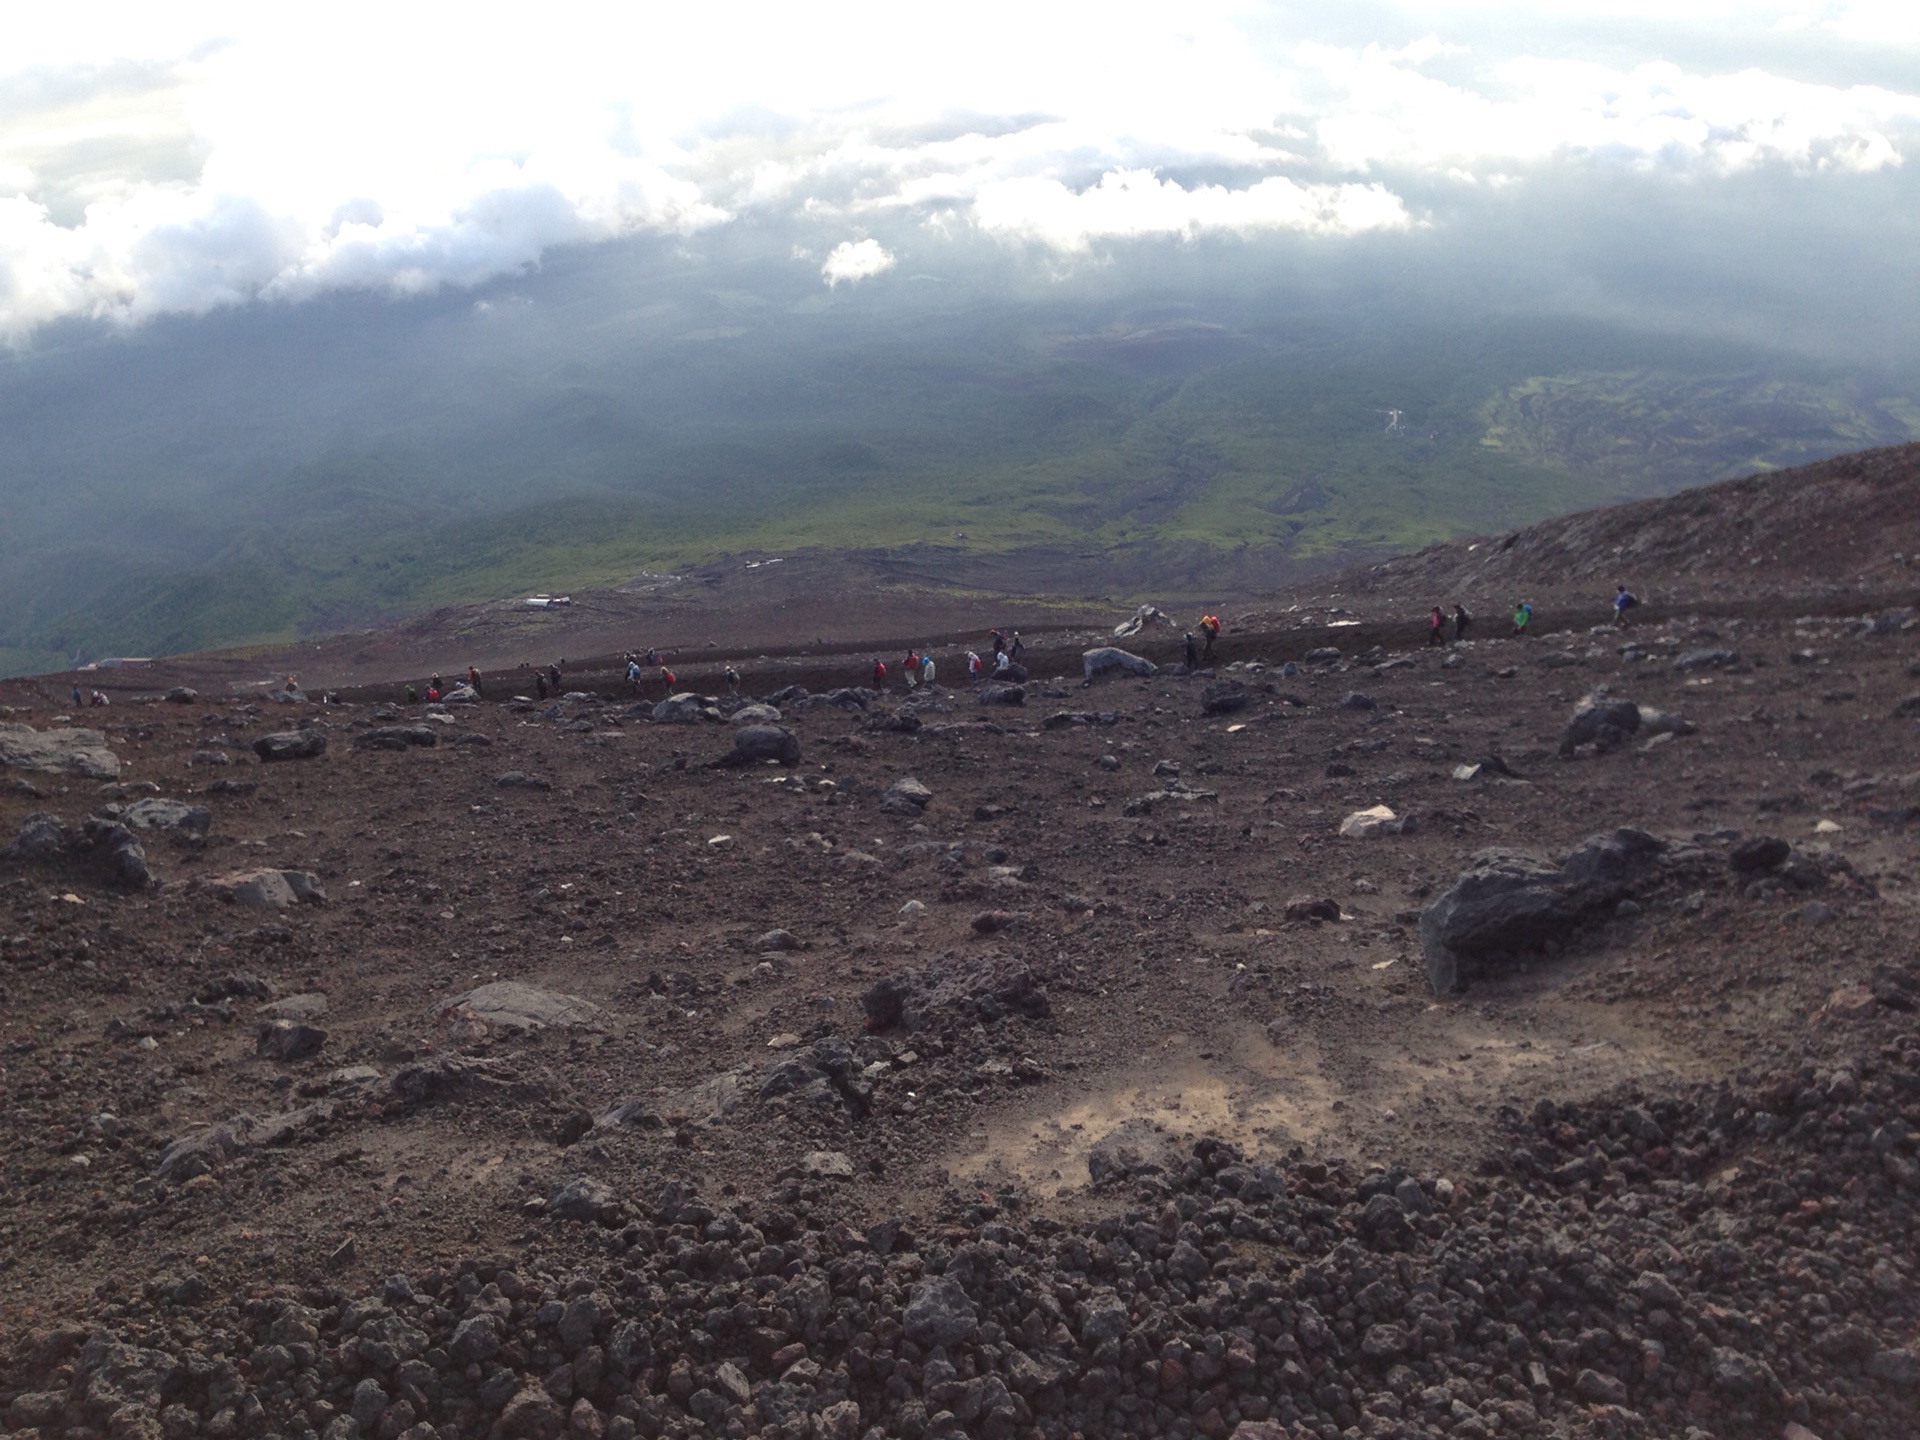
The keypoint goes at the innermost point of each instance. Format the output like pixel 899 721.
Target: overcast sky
pixel 177 158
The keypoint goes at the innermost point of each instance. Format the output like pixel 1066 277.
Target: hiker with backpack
pixel 1623 601
pixel 1522 617
pixel 1436 626
pixel 1460 622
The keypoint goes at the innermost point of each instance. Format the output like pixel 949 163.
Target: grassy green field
pixel 1272 432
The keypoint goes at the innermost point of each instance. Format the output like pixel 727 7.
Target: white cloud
pixel 180 157
pixel 853 260
pixel 1136 202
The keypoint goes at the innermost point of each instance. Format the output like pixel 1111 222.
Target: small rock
pixel 906 797
pixel 268 889
pixel 289 1040
pixel 1379 820
pixel 1313 909
pixel 583 1198
pixel 826 1165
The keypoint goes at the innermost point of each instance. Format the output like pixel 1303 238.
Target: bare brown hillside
pixel 1351 1039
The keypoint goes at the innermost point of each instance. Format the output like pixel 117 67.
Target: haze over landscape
pixel 308 327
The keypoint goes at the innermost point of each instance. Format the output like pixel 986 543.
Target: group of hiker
pixel 1005 648
pixel 917 670
pixel 1198 652
pixel 1437 621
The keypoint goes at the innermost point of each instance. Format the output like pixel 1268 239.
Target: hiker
pixel 553 679
pixel 1623 601
pixel 879 673
pixel 413 695
pixel 1002 662
pixel 910 669
pixel 1209 632
pixel 79 700
pixel 1193 651
pixel 1460 622
pixel 633 672
pixel 999 647
pixel 926 672
pixel 1018 648
pixel 1522 614
pixel 473 681
pixel 98 698
pixel 973 664
pixel 653 657
pixel 539 685
pixel 733 681
pixel 1436 627
pixel 434 687
pixel 433 694
pixel 669 679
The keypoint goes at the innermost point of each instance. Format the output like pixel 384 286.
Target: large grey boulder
pixel 756 744
pixel 290 745
pixel 1508 902
pixel 1601 722
pixel 1504 901
pixel 1111 657
pixel 756 715
pixel 1001 694
pixel 685 708
pixel 82 753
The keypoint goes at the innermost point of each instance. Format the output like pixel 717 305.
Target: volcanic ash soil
pixel 1067 1067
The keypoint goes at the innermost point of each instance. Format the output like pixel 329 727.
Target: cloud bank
pixel 212 156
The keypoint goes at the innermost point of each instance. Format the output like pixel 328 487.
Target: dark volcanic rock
pixel 289 1040
pixel 1001 694
pixel 1505 900
pixel 396 737
pixel 290 745
pixel 116 854
pixel 985 989
pixel 756 744
pixel 1223 698
pixel 1604 868
pixel 1601 722
pixel 42 837
pixel 1758 854
pixel 939 1312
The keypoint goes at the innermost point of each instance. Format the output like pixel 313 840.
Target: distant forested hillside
pixel 277 471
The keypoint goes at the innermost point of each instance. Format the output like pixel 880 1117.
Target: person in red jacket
pixel 879 674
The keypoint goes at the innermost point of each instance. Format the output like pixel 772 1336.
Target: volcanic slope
pixel 512 1069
